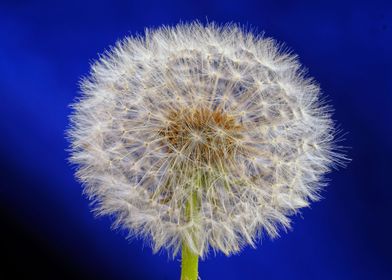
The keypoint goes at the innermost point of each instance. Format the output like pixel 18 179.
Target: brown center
pixel 203 135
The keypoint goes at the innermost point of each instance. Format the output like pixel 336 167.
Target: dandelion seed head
pixel 208 111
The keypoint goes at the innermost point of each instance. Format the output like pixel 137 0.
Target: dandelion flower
pixel 200 137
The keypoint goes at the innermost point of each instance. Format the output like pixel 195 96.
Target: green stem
pixel 189 265
pixel 190 260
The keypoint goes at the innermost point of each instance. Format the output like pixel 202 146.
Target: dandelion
pixel 200 137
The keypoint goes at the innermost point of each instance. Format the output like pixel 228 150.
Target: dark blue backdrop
pixel 46 225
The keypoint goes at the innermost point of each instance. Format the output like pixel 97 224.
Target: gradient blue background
pixel 46 226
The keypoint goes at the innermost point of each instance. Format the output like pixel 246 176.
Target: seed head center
pixel 202 135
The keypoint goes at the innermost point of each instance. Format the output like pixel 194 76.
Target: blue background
pixel 46 227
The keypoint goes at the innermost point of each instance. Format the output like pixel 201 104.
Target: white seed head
pixel 206 112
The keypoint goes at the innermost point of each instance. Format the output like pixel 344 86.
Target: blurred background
pixel 47 229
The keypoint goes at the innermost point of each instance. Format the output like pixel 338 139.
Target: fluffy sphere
pixel 202 135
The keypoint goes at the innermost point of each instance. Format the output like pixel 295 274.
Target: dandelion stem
pixel 190 260
pixel 189 265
